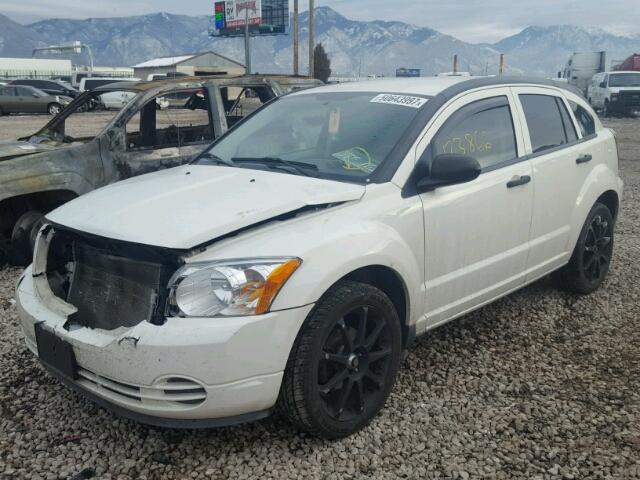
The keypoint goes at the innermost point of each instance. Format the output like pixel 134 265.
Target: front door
pixel 477 234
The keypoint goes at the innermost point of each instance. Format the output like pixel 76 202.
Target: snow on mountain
pixel 376 47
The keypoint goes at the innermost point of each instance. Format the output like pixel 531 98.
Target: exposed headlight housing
pixel 228 288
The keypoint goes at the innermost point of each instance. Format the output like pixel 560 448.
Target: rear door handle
pixel 519 181
pixel 584 159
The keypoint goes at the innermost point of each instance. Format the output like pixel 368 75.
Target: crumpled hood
pixel 17 148
pixel 184 207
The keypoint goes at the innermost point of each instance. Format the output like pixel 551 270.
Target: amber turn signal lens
pixel 274 283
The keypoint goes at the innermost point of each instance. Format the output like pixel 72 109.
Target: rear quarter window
pixel 585 120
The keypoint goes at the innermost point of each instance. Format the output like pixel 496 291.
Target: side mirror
pixel 603 84
pixel 449 169
pixel 35 95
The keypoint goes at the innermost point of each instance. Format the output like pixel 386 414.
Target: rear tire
pixel 591 259
pixel 1 112
pixel 23 238
pixel 343 363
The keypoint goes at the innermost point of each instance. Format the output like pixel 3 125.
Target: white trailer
pixel 582 66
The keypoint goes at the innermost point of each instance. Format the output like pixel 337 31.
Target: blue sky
pixel 470 20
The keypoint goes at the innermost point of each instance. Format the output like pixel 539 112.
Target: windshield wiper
pixel 275 163
pixel 216 159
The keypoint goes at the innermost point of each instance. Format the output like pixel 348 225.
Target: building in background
pixel 11 68
pixel 205 63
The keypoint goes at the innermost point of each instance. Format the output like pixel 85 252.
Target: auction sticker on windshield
pixel 402 100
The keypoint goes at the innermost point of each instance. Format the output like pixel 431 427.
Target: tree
pixel 322 63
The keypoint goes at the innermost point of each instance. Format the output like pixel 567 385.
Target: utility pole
pixel 296 39
pixel 312 40
pixel 455 64
pixel 247 42
pixel 501 70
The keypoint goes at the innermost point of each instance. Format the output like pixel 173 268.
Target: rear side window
pixel 567 123
pixel 483 130
pixel 548 121
pixel 585 119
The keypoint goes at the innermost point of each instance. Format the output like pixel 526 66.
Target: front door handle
pixel 519 181
pixel 584 159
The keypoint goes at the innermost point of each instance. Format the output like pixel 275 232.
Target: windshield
pixel 341 136
pixel 624 80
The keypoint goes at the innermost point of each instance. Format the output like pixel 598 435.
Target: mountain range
pixel 354 47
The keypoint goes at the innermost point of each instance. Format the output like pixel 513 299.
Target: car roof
pixel 433 86
pixel 181 82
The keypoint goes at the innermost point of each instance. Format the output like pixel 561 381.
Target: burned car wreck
pixel 161 124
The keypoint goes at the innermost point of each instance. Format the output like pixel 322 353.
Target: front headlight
pixel 228 288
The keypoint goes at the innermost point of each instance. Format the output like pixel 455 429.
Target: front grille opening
pixel 113 284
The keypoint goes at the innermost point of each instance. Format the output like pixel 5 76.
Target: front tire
pixel 344 362
pixel 591 259
pixel 606 110
pixel 54 109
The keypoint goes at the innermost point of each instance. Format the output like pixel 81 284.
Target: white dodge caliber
pixel 291 265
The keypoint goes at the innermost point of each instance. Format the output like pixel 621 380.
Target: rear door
pixel 561 163
pixel 155 139
pixel 477 233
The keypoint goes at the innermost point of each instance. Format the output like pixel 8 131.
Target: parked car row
pixel 296 257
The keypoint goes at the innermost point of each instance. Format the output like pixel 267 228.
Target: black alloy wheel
pixel 591 259
pixel 344 362
pixel 356 357
pixel 598 249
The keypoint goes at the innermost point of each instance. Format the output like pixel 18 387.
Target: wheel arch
pixel 44 201
pixel 611 200
pixel 391 283
pixel 602 185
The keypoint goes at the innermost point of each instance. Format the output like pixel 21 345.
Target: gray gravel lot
pixel 540 385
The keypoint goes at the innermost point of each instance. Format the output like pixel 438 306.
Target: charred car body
pixel 75 154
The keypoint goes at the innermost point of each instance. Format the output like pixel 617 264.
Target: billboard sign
pixel 408 72
pixel 266 17
pixel 236 12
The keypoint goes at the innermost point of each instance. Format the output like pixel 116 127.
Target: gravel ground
pixel 540 385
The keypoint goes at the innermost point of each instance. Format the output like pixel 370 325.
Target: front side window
pixel 585 120
pixel 483 130
pixel 547 127
pixel 624 80
pixel 84 120
pixel 343 136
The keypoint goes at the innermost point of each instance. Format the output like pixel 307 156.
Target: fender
pixel 601 179
pixel 365 238
pixel 71 181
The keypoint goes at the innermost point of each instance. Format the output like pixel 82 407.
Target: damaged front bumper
pixel 186 373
